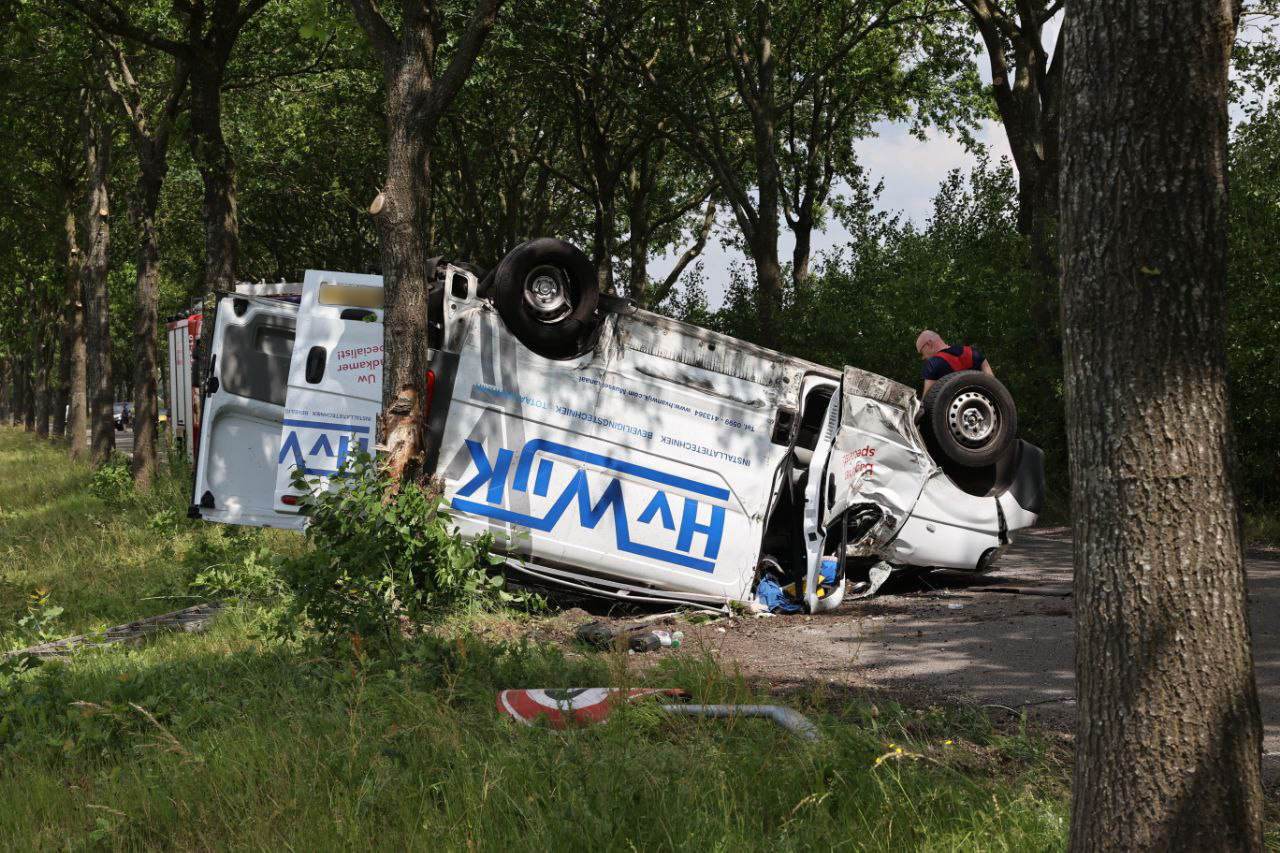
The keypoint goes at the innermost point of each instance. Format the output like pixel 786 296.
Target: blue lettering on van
pixel 699 517
pixel 321 446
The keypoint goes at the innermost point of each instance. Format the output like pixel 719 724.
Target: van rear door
pixel 335 381
pixel 243 406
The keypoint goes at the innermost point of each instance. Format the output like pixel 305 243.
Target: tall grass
pixel 230 740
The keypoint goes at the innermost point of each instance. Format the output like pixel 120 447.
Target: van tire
pixel 546 292
pixel 971 418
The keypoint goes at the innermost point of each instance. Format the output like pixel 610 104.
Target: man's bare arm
pixel 986 368
pixel 927 384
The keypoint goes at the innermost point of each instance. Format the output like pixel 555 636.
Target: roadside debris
pixel 876 576
pixel 189 619
pixel 635 638
pixel 578 706
pixel 776 597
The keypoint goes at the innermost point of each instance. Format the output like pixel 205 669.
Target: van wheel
pixel 546 292
pixel 971 418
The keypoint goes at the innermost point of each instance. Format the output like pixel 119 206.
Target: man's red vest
pixel 963 361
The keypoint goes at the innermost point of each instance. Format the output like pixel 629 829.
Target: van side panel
pixel 623 463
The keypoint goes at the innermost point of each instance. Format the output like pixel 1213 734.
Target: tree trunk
pixel 98 144
pixel 401 223
pixel 217 168
pixel 1168 739
pixel 71 295
pixel 416 98
pixel 28 407
pixel 145 407
pixel 800 255
pixel 78 381
pixel 43 356
pixel 603 237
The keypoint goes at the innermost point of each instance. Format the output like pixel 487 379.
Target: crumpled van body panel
pixel 655 466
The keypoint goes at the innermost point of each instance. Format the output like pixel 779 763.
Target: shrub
pixel 383 561
pixel 112 481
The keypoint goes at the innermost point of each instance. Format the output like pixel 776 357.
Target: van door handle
pixel 211 382
pixel 831 490
pixel 315 364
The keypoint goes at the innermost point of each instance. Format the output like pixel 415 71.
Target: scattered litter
pixel 633 637
pixel 1050 591
pixel 955 606
pixel 1015 710
pixel 770 596
pixel 671 639
pixel 189 619
pixel 775 597
pixel 876 576
pixel 580 706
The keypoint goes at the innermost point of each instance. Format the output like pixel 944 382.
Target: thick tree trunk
pixel 94 275
pixel 145 407
pixel 416 98
pixel 217 167
pixel 401 223
pixel 1168 739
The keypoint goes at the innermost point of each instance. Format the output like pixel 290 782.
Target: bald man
pixel 941 359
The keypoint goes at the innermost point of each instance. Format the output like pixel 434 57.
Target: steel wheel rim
pixel 546 294
pixel 972 418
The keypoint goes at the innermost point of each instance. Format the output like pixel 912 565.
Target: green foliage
pixel 383 561
pixel 231 564
pixel 1253 309
pixel 214 741
pixel 962 273
pixel 112 482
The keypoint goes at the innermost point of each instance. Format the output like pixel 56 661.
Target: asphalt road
pixel 956 637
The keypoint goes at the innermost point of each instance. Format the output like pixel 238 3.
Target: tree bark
pixel 217 167
pixel 26 400
pixel 1168 738
pixel 70 299
pixel 145 406
pixel 416 99
pixel 151 142
pixel 43 356
pixel 98 142
pixel 78 378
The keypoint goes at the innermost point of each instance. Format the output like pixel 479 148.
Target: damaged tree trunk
pixel 416 99
pixel 1168 738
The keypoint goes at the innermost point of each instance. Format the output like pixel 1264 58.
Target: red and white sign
pixel 572 706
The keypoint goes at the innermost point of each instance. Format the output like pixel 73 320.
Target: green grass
pixel 228 739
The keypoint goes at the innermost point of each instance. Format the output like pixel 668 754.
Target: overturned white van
pixel 612 450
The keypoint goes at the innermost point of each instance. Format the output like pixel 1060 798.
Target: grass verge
pixel 230 740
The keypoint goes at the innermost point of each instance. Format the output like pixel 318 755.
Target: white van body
pixel 660 465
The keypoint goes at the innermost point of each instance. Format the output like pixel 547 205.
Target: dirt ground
pixel 1001 640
